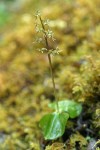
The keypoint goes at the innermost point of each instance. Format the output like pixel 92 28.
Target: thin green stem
pixel 53 81
pixel 50 62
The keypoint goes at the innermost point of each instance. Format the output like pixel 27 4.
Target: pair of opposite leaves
pixel 53 124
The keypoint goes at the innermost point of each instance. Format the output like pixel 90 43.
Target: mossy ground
pixel 25 83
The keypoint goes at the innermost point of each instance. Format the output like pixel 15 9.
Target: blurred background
pixel 25 83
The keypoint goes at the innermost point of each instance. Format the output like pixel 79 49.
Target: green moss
pixel 24 75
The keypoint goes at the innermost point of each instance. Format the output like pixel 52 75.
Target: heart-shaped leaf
pixel 53 125
pixel 73 108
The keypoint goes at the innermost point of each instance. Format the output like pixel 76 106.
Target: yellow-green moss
pixel 25 83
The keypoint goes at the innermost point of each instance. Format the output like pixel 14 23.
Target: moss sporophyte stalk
pixel 53 124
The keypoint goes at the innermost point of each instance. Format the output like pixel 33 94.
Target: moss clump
pixel 24 76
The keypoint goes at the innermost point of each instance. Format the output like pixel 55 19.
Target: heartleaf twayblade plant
pixel 53 124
